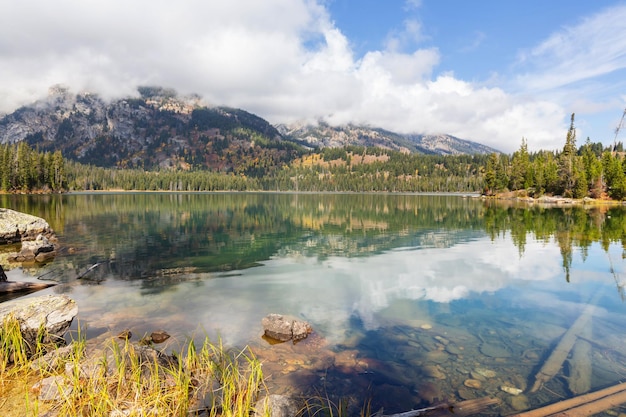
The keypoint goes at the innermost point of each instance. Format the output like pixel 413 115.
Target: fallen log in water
pixel 583 405
pixel 462 409
pixel 14 286
pixel 579 378
pixel 555 361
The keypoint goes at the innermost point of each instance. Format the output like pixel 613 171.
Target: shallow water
pixel 413 299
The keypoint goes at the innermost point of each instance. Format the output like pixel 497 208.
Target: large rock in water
pixel 16 226
pixel 51 313
pixel 283 329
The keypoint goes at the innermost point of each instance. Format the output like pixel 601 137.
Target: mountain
pixel 161 129
pixel 324 135
pixel 448 145
pixel 157 129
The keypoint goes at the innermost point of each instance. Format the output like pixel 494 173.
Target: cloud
pixel 248 54
pixel 594 47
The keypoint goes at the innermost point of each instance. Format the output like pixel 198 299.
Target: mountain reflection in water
pixel 413 298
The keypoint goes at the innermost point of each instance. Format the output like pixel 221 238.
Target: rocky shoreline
pixel 38 246
pixel 522 196
pixel 62 368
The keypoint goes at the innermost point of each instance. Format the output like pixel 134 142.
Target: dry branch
pixel 460 409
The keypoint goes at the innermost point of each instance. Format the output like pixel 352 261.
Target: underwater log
pixel 462 409
pixel 555 361
pixel 583 405
pixel 579 378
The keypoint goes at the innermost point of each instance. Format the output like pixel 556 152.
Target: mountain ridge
pixel 161 129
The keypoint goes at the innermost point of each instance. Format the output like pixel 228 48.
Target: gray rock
pixel 52 360
pixel 52 388
pixel 276 327
pixel 279 406
pixel 16 226
pixel 52 313
pixel 41 244
pixel 282 329
pixel 40 250
pixel 300 330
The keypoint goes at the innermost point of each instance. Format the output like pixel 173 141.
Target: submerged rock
pixel 472 383
pixel 511 390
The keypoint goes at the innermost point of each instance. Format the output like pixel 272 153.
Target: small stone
pixel 472 383
pixel 437 356
pixel 426 326
pixel 300 330
pixel 433 371
pixel 453 349
pixel 159 336
pixel 519 402
pixel 442 340
pixel 511 390
pixel 487 373
pixel 494 350
pixel 125 334
pixel 466 394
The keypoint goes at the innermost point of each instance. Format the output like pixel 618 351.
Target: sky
pixel 489 71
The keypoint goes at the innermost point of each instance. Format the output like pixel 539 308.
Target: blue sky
pixel 488 71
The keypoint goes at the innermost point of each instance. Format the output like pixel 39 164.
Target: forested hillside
pixel 162 142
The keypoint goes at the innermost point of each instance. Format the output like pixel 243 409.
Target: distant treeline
pixel 590 170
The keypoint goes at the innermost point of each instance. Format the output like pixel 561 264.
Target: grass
pixel 125 379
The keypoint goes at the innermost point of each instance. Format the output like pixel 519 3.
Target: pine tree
pixel 567 162
pixel 520 165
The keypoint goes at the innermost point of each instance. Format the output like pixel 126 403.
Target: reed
pixel 132 380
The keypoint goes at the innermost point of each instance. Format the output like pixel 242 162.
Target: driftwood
pixel 462 409
pixel 555 361
pixel 583 405
pixel 14 286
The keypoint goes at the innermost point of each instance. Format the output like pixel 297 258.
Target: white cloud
pixel 282 59
pixel 594 47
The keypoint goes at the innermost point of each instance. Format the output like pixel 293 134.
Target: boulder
pixel 279 328
pixel 16 226
pixel 51 313
pixel 40 250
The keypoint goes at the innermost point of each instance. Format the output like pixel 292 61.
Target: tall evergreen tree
pixel 520 166
pixel 567 162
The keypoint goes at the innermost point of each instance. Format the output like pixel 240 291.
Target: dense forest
pixel 590 170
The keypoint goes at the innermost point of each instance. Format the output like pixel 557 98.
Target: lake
pixel 413 299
